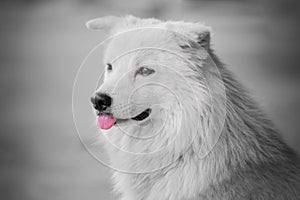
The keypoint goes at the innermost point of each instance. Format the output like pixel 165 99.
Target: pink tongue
pixel 106 122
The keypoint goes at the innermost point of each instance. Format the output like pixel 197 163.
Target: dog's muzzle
pixel 101 102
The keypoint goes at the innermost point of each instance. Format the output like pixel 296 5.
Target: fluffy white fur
pixel 215 143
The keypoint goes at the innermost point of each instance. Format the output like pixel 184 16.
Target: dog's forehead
pixel 133 41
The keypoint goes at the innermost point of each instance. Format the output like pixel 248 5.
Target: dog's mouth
pixel 143 115
pixel 106 120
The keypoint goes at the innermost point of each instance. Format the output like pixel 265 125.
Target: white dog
pixel 178 125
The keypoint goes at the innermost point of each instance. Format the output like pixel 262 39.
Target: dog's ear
pixel 203 39
pixel 197 33
pixel 200 34
pixel 103 23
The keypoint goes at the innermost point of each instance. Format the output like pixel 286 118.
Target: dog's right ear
pixel 103 23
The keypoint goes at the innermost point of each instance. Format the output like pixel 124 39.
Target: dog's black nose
pixel 101 101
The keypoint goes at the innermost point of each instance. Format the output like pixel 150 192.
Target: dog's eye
pixel 145 71
pixel 108 66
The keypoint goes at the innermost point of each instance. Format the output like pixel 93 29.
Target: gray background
pixel 44 42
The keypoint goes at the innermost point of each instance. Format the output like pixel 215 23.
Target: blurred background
pixel 44 42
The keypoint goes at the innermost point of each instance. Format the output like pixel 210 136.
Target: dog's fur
pixel 248 160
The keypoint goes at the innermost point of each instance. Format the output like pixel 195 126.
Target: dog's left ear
pixel 203 39
pixel 200 34
pixel 103 23
pixel 197 33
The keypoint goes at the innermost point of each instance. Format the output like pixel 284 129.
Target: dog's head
pixel 155 76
